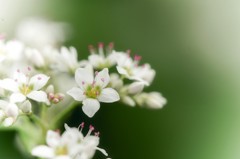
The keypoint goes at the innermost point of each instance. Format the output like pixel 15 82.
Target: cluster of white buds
pixel 106 76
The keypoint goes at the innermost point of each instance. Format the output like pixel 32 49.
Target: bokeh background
pixel 194 47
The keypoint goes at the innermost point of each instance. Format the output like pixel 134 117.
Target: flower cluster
pixel 71 144
pixel 44 81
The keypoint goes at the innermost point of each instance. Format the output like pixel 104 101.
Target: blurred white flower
pixel 11 51
pixel 44 58
pixel 92 90
pixel 39 32
pixel 67 60
pixel 99 59
pixel 24 87
pixel 8 113
pixel 70 145
pixel 152 100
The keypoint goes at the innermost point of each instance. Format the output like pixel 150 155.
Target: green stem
pixel 58 119
pixel 37 120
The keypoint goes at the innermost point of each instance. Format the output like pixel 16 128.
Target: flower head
pixel 23 86
pixel 8 113
pixel 99 59
pixel 71 144
pixel 131 69
pixel 92 90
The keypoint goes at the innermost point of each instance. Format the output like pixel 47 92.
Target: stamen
pixel 81 126
pixel 96 73
pixel 91 128
pixel 111 45
pixel 18 70
pixel 100 49
pixel 100 45
pixel 83 82
pixel 128 52
pixel 97 134
pixel 39 78
pixel 91 49
pixel 102 79
pixel 137 58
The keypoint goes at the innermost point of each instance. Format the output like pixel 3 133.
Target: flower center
pixel 26 89
pixel 129 70
pixel 92 91
pixel 61 150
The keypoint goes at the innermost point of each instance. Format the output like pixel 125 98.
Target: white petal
pixel 9 84
pixel 62 157
pixel 38 81
pixel 102 78
pixel 17 97
pixel 108 95
pixel 43 151
pixel 135 87
pixel 95 60
pixel 128 100
pixel 84 76
pixel 26 107
pixel 8 121
pixel 155 100
pixel 3 104
pixel 90 106
pixel 12 110
pixel 53 138
pixel 76 93
pixel 20 77
pixel 38 96
pixel 122 71
pixel 102 150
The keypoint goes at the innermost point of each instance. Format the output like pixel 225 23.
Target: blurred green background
pixel 194 47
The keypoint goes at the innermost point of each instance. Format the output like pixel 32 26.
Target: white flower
pixel 39 32
pixel 130 68
pixel 101 60
pixel 70 145
pixel 92 90
pixel 41 58
pixel 10 51
pixel 67 60
pixel 8 113
pixel 24 87
pixel 152 100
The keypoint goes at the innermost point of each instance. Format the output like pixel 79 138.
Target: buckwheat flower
pixel 130 68
pixel 23 87
pixel 67 60
pixel 44 58
pixel 70 145
pixel 11 50
pixel 152 100
pixel 8 113
pixel 92 90
pixel 39 32
pixel 99 59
